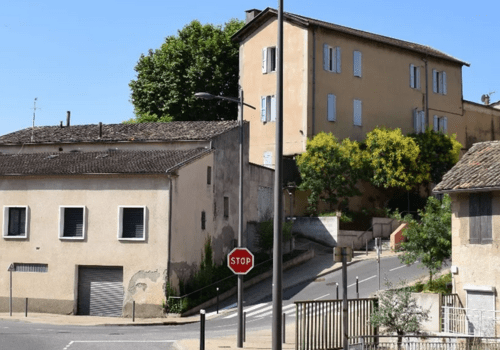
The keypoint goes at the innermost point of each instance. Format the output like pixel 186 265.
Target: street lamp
pixel 241 103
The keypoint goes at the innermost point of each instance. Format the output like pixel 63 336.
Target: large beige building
pixel 474 186
pixel 95 217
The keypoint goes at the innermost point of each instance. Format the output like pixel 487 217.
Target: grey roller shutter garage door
pixel 100 291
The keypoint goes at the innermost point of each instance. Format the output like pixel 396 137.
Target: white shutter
pixel 264 60
pixel 445 125
pixel 416 123
pixel 444 86
pixel 332 106
pixel 436 123
pixel 422 121
pixel 273 108
pixel 434 81
pixel 417 72
pixel 263 115
pixel 357 63
pixel 440 87
pixel 268 159
pixel 326 60
pixel 412 77
pixel 357 112
pixel 338 60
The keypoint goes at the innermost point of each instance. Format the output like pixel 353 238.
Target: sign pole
pixel 344 301
pixel 11 268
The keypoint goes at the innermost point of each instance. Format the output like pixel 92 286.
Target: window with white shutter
pixel 357 112
pixel 338 60
pixel 263 109
pixel 357 64
pixel 268 109
pixel 332 59
pixel 440 124
pixel 72 222
pixel 272 112
pixel 418 121
pixel 439 84
pixel 268 60
pixel 132 223
pixel 331 108
pixel 414 77
pixel 15 222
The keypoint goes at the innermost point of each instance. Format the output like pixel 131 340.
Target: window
pixel 268 60
pixel 480 218
pixel 226 207
pixel 439 85
pixel 331 58
pixel 209 175
pixel 20 267
pixel 132 223
pixel 357 63
pixel 203 220
pixel 268 159
pixel 71 222
pixel 440 124
pixel 268 109
pixel 414 77
pixel 357 112
pixel 332 108
pixel 418 121
pixel 15 221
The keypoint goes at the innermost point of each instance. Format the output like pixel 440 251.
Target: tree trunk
pixel 400 340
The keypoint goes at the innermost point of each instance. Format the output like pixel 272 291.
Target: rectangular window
pixel 440 124
pixel 226 207
pixel 357 63
pixel 132 223
pixel 72 222
pixel 20 267
pixel 439 85
pixel 480 231
pixel 15 221
pixel 203 220
pixel 331 58
pixel 209 175
pixel 418 121
pixel 268 109
pixel 414 77
pixel 332 108
pixel 357 106
pixel 268 60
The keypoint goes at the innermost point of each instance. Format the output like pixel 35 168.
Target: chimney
pixel 251 14
pixel 100 130
pixel 68 119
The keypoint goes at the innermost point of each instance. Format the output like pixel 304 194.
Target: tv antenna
pixel 33 126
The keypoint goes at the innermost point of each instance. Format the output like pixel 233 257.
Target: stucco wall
pixel 477 263
pixel 144 262
pixel 481 123
pixel 320 229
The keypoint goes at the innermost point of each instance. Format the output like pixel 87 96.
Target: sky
pixel 79 56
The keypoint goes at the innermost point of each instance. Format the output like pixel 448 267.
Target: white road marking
pixel 246 310
pixel 322 297
pixel 366 279
pixel 116 341
pixel 284 308
pixel 399 267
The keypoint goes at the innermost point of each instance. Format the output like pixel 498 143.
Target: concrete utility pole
pixel 278 198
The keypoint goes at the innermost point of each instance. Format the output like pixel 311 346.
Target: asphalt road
pixel 28 336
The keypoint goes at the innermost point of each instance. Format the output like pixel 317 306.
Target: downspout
pixel 426 93
pixel 313 84
pixel 169 248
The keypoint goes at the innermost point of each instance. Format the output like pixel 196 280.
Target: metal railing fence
pixel 480 323
pixel 424 343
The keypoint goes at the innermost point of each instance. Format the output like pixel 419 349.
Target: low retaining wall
pixel 323 230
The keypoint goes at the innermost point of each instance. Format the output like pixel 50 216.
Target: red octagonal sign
pixel 240 261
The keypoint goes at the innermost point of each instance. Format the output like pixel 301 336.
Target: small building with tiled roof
pixel 474 187
pixel 98 216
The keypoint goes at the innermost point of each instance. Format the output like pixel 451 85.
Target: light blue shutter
pixel 264 60
pixel 332 106
pixel 416 123
pixel 412 77
pixel 357 112
pixel 417 72
pixel 436 123
pixel 445 125
pixel 357 63
pixel 440 82
pixel 434 81
pixel 422 121
pixel 263 115
pixel 338 60
pixel 326 60
pixel 445 88
pixel 273 108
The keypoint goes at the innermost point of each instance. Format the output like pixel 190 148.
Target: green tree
pixel 330 170
pixel 392 158
pixel 199 58
pixel 430 239
pixel 398 312
pixel 438 153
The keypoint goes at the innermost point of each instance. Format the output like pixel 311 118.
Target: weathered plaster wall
pixel 481 123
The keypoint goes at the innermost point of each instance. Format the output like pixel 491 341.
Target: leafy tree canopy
pixel 430 239
pixel 330 169
pixel 199 58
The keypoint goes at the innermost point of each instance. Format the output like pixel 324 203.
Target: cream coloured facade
pixel 181 179
pixel 344 81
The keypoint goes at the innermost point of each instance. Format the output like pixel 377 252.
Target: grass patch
pixel 438 285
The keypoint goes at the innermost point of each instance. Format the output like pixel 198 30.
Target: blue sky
pixel 80 56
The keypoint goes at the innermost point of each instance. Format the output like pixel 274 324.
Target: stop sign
pixel 240 261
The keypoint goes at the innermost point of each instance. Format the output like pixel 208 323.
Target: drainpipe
pixel 169 248
pixel 426 93
pixel 313 84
